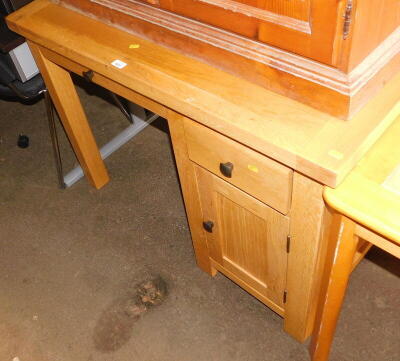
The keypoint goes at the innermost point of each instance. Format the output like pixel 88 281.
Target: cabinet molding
pixel 261 14
pixel 329 77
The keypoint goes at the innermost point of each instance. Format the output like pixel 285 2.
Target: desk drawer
pixel 252 172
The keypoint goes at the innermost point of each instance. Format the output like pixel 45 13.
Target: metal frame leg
pixel 54 138
pixel 121 106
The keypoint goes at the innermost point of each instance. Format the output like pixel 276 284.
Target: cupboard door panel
pixel 312 30
pixel 297 9
pixel 207 12
pixel 248 238
pixel 305 27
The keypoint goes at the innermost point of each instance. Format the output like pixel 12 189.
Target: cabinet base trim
pixel 261 14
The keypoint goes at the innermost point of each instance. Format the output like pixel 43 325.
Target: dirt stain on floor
pixel 115 326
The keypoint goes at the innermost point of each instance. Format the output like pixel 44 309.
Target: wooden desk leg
pixel 69 108
pixel 340 254
pixel 306 219
pixel 190 192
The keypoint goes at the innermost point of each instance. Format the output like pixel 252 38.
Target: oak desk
pixel 252 163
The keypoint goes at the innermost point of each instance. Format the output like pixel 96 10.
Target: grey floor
pixel 68 256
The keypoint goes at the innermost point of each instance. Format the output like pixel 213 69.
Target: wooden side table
pixel 366 207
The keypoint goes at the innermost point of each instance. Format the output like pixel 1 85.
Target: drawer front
pixel 255 174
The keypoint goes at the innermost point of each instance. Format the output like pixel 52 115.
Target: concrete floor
pixel 68 258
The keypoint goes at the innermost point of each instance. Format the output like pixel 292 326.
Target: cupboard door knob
pixel 226 169
pixel 208 226
pixel 88 75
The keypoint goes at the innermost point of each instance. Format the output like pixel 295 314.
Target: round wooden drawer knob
pixel 226 169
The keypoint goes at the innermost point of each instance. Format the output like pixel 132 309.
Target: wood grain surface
pixel 311 142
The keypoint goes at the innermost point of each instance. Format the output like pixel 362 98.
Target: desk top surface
pixel 309 141
pixel 370 194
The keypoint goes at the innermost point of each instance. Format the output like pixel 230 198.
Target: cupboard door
pixel 214 13
pixel 305 27
pixel 246 237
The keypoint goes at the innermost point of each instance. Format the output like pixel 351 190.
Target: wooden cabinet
pixel 240 226
pixel 247 240
pixel 314 51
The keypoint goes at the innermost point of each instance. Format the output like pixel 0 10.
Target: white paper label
pixel 119 64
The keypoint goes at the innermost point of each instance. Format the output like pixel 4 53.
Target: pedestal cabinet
pixel 252 219
pixel 247 239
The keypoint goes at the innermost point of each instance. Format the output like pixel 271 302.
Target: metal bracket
pixel 347 19
pixel 288 239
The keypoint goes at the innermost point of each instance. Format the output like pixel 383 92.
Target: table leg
pixel 306 219
pixel 340 254
pixel 69 108
pixel 190 192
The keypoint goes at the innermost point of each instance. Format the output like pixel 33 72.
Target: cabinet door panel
pixel 305 27
pixel 248 238
pixel 296 9
pixel 312 30
pixel 218 16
